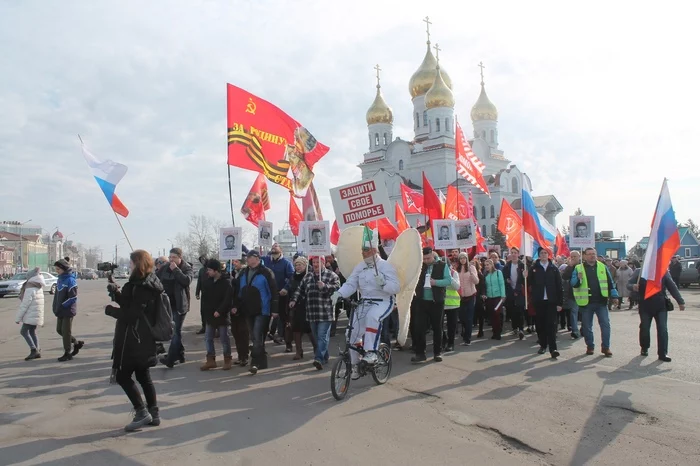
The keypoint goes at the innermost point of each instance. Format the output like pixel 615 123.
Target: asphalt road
pixel 492 403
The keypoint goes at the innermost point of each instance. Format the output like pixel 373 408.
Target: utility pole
pixel 116 255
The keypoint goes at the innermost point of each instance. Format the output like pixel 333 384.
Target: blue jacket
pixel 260 297
pixel 65 301
pixel 282 268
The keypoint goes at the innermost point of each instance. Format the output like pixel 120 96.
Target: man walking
pixel 515 286
pixel 283 270
pixel 239 322
pixel 676 269
pixel 547 296
pixel 569 302
pixel 176 278
pixel 202 285
pixel 65 305
pixel 593 285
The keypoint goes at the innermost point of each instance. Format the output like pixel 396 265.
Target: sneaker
pixel 449 349
pixel 521 335
pixel 253 370
pixel 466 343
pixel 418 358
pixel 664 359
pixel 542 350
pixel 554 354
pixel 317 364
pixel 574 336
pixel 370 357
pixel 155 416
pixel 354 373
pixel 243 363
pixel 141 418
pixel 645 352
pixel 76 347
pixel 437 358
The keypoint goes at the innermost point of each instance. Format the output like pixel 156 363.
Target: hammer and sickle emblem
pixel 250 108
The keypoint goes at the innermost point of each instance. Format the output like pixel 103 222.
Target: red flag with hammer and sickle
pixel 510 224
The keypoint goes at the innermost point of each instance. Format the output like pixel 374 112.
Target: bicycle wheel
pixel 382 369
pixel 340 377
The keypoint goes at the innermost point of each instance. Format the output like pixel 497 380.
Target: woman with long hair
pixel 495 293
pixel 468 281
pixel 479 305
pixel 134 350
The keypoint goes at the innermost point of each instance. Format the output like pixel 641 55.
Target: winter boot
pixel 300 350
pixel 65 357
pixel 77 346
pixel 155 416
pixel 141 418
pixel 210 364
pixel 32 355
pixel 228 363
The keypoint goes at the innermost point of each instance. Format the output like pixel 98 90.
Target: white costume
pixel 393 283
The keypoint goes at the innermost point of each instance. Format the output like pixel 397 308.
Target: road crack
pixel 511 441
pixel 651 419
pixel 422 394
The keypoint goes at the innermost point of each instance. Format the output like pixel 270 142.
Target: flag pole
pixel 230 195
pixel 522 233
pixel 123 231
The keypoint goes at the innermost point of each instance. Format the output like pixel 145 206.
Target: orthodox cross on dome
pixel 437 53
pixel 378 70
pixel 427 26
pixel 481 65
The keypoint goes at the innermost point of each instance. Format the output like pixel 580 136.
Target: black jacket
pixel 218 298
pixel 676 269
pixel 549 279
pixel 202 282
pixel 134 346
pixel 438 273
pixel 518 293
pixel 177 285
pixel 656 302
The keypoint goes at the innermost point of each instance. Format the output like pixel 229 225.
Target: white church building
pixel 432 148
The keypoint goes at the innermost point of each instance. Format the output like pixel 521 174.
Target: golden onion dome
pixel 484 109
pixel 439 95
pixel 424 77
pixel 379 111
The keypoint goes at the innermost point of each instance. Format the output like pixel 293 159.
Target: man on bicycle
pixel 377 282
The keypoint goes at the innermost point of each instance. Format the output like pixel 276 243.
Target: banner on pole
pixel 265 234
pixel 360 202
pixel 445 234
pixel 581 232
pixel 318 238
pixel 465 233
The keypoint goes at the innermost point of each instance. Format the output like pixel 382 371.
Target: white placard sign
pixel 361 202
pixel 265 234
pixel 581 232
pixel 318 238
pixel 444 234
pixel 465 233
pixel 230 243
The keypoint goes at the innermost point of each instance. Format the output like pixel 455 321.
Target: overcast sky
pixel 597 101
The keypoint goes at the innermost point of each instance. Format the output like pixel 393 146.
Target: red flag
pixel 257 202
pixel 310 205
pixel 295 217
pixel 480 247
pixel 412 200
pixel 401 222
pixel 456 206
pixel 431 202
pixel 263 138
pixel 562 246
pixel 470 206
pixel 335 233
pixel 510 224
pixel 385 228
pixel 468 164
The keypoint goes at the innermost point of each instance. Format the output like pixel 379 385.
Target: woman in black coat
pixel 297 316
pixel 134 347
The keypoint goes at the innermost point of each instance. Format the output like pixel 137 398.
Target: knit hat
pixel 463 254
pixel 302 260
pixel 33 273
pixel 214 265
pixel 62 264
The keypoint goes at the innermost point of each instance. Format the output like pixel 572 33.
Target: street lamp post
pixel 21 249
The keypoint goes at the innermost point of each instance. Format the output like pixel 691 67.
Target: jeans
pixel 259 326
pixel 223 337
pixel 661 318
pixel 466 315
pixel 600 310
pixel 64 327
pixel 573 312
pixel 29 334
pixel 176 351
pixel 143 376
pixel 321 332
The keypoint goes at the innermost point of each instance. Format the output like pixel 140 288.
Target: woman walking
pixel 31 311
pixel 134 350
pixel 297 315
pixel 479 303
pixel 216 311
pixel 623 276
pixel 468 281
pixel 495 294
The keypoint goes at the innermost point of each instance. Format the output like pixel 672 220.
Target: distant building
pixel 7 263
pixel 690 246
pixel 287 241
pixel 29 250
pixel 608 246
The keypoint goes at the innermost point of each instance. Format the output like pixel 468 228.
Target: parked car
pixel 689 275
pixel 14 284
pixel 88 274
pixel 120 275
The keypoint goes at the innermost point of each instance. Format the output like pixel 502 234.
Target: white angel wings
pixel 406 257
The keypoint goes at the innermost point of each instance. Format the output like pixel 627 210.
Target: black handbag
pixel 668 303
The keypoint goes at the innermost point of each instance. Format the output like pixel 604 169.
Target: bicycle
pixel 342 369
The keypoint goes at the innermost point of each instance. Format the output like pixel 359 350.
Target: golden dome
pixel 424 77
pixel 379 111
pixel 439 95
pixel 484 109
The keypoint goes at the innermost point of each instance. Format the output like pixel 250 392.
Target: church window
pixel 400 165
pixel 385 143
pixel 425 118
pixel 493 229
pixel 483 230
pixel 417 120
pixel 437 125
pixel 483 135
pixel 514 186
pixel 483 212
pixel 376 139
pixel 370 140
pixel 493 136
pixel 447 125
pixel 493 212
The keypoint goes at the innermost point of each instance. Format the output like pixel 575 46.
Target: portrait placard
pixel 230 243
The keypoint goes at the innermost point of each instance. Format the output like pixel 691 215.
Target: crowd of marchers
pixel 274 298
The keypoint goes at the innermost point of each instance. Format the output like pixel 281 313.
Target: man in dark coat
pixel 216 306
pixel 548 297
pixel 202 287
pixel 515 291
pixel 676 269
pixel 65 305
pixel 176 279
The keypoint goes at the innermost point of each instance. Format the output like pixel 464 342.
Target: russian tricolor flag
pixel 531 222
pixel 107 174
pixel 664 241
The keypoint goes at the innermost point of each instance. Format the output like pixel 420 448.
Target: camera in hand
pixel 106 267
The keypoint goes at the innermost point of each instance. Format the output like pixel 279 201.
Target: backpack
pixel 163 328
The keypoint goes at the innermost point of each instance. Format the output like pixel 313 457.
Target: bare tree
pixel 578 211
pixel 693 227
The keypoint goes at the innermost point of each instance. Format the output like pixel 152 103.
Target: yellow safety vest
pixel 452 299
pixel 581 294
